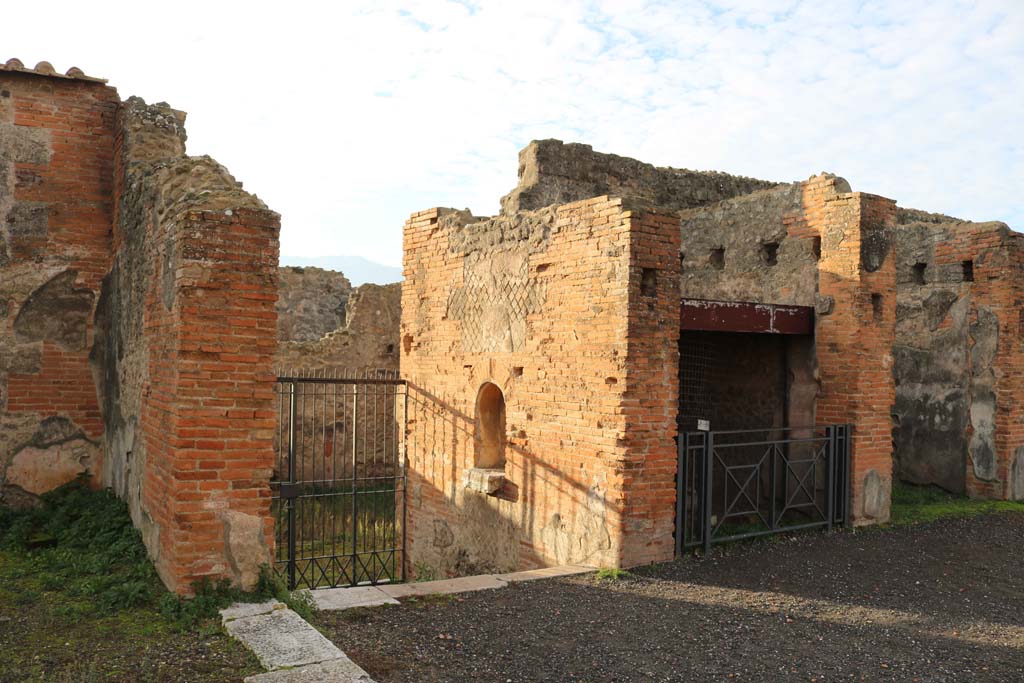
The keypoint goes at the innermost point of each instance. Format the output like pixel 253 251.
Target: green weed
pixel 612 574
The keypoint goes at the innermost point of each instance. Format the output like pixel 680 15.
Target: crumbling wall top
pixel 552 172
pixel 908 215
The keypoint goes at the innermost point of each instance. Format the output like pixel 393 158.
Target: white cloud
pixel 348 116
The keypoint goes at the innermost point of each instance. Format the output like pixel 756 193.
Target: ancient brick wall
pixel 572 313
pixel 854 330
pixel 56 170
pixel 958 357
pixel 185 361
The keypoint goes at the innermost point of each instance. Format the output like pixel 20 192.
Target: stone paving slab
pixel 544 573
pixel 346 598
pixel 388 594
pixel 282 638
pixel 240 610
pixel 342 670
pixel 445 586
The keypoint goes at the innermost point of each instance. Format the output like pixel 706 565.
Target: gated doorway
pixel 747 386
pixel 338 491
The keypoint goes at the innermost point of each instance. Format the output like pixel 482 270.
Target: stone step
pixel 287 646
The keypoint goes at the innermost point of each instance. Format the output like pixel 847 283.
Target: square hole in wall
pixel 968 270
pixel 649 282
pixel 770 253
pixel 717 258
pixel 682 261
pixel 816 248
pixel 919 273
pixel 877 310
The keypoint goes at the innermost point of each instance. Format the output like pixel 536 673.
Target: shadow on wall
pixel 456 530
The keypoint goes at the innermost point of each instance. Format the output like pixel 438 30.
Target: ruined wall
pixel 958 357
pixel 751 248
pixel 368 339
pixel 184 358
pixel 311 303
pixel 572 312
pixel 552 172
pixel 56 166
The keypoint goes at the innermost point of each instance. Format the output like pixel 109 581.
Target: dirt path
pixel 936 602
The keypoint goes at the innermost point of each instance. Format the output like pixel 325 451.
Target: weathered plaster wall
pixel 587 365
pixel 184 360
pixel 958 356
pixel 754 248
pixel 56 163
pixel 311 303
pixel 552 172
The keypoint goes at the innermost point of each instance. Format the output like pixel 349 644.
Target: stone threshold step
pixel 287 646
pixel 389 594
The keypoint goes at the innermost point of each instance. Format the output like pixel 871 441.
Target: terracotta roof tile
pixel 46 69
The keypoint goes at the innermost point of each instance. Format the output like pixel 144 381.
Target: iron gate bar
pixel 798 492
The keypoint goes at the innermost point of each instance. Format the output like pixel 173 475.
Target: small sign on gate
pixel 704 425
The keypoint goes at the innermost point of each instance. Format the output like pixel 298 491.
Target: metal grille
pixel 741 484
pixel 339 484
pixel 696 367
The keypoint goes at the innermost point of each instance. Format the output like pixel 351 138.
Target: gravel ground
pixel 942 601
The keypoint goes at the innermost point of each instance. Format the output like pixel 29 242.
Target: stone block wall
pixel 572 313
pixel 56 172
pixel 959 357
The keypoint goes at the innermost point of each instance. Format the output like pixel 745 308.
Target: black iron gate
pixel 740 484
pixel 339 484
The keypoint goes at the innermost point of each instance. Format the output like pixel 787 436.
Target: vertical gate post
pixel 682 447
pixel 830 474
pixel 847 448
pixel 709 454
pixel 404 471
pixel 773 464
pixel 355 494
pixel 291 480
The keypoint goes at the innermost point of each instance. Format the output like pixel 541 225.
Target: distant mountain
pixel 356 268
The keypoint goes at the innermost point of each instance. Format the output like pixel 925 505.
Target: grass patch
pixel 916 504
pixel 80 601
pixel 81 543
pixel 612 574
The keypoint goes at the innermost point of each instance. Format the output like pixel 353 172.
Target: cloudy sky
pixel 347 116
